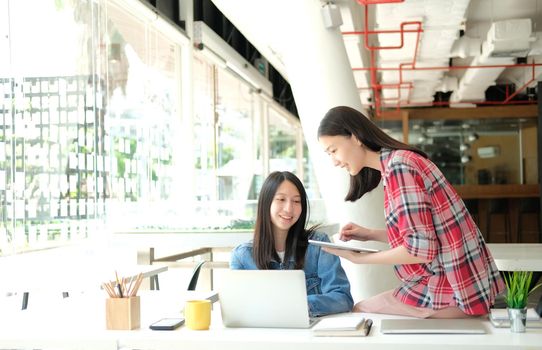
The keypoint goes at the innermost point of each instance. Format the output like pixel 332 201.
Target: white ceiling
pixel 441 22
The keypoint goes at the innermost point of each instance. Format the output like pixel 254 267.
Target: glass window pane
pixel 282 143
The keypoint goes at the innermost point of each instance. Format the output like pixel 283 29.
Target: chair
pixel 499 206
pixel 27 294
pixel 195 274
pixel 529 206
pixel 472 207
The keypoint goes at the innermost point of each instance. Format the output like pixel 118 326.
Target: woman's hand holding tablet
pixel 343 247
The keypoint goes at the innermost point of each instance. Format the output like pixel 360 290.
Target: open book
pixel 343 326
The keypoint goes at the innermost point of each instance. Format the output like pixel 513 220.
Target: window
pixel 94 135
pixel 90 129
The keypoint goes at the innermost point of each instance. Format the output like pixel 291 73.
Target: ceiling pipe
pixel 507 101
pixel 404 67
pixel 513 65
pixel 374 2
pixel 373 78
pixel 524 86
pixel 504 41
pixel 447 103
pixel 498 33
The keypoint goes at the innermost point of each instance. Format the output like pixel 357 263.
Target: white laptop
pixel 432 326
pixel 264 299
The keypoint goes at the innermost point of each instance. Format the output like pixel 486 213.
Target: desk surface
pixel 82 322
pixel 517 256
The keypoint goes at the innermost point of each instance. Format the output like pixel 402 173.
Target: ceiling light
pixel 465 159
pixel 331 15
pixel 473 137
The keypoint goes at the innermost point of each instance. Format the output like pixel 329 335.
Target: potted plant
pixel 518 285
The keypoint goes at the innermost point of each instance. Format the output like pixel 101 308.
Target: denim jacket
pixel 328 288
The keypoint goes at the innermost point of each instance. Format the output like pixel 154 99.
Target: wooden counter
pixel 497 191
pixel 513 193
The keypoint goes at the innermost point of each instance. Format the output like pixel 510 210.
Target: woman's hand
pixel 353 256
pixel 360 233
pixel 353 231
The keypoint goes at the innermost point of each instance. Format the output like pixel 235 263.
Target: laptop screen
pixel 264 299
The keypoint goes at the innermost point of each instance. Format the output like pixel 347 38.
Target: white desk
pixel 517 256
pixel 219 337
pixel 79 322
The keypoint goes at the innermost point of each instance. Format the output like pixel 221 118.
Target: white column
pixel 320 75
pixel 321 78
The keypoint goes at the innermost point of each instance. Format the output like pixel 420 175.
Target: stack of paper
pixel 343 326
pixel 499 318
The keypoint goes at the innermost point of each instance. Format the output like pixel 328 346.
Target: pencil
pixel 108 289
pixel 129 291
pixel 137 284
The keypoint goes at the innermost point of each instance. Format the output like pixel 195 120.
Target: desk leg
pixel 539 307
pixel 154 283
pixel 25 301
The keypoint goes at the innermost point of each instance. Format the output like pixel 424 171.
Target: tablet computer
pixel 343 246
pixel 432 326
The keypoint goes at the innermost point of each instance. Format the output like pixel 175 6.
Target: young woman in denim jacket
pixel 281 243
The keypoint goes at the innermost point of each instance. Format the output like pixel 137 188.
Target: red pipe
pixel 374 85
pixel 447 103
pixel 402 31
pixel 374 2
pixel 383 31
pixel 520 89
pixel 403 66
pixel 516 65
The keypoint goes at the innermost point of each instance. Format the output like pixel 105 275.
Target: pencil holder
pixel 122 313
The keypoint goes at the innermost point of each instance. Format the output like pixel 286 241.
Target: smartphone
pixel 167 324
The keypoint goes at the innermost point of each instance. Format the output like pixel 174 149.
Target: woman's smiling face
pixel 345 152
pixel 286 207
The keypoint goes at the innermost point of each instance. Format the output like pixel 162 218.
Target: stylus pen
pixel 368 325
pixel 120 290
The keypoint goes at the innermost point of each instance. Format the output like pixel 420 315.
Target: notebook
pixel 432 326
pixel 348 325
pixel 264 299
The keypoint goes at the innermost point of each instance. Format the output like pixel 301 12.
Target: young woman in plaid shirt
pixel 440 256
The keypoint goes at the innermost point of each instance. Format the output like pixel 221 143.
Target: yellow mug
pixel 197 314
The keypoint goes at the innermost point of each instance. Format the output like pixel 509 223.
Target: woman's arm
pixel 334 296
pixel 360 233
pixel 235 259
pixel 395 256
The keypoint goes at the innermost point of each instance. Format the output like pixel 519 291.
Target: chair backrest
pixel 195 275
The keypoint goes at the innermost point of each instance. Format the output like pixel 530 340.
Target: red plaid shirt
pixel 426 216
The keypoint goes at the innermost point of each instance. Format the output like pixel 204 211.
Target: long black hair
pixel 297 240
pixel 346 121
